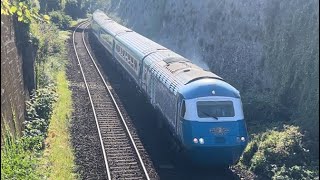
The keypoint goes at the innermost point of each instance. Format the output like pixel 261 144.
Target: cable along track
pixel 121 154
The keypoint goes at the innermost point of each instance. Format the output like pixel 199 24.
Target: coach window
pixel 135 64
pixel 118 49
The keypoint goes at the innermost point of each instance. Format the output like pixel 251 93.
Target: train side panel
pixel 165 102
pixel 128 60
pixel 106 39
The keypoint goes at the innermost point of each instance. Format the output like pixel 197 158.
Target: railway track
pixel 121 154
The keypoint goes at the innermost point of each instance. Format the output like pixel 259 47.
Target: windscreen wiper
pixel 210 115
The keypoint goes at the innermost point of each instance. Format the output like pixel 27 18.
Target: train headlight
pixel 201 141
pixel 243 139
pixel 195 140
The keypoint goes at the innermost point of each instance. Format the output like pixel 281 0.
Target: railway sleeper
pixel 121 146
pixel 126 163
pixel 124 167
pixel 127 172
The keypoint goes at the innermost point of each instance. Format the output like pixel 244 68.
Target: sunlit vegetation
pixel 19 156
pixel 59 164
pixel 279 153
pixel 17 160
pixel 62 20
pixel 24 10
pixel 51 71
pixel 37 154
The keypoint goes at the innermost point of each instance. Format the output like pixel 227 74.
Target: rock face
pixel 15 71
pixel 267 49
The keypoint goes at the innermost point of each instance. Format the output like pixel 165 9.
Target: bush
pixel 39 110
pixel 18 157
pixel 279 154
pixel 62 20
pixel 294 172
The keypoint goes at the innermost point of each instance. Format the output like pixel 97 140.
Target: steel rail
pixel 113 101
pixel 93 108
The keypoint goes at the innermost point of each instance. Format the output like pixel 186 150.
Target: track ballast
pixel 121 154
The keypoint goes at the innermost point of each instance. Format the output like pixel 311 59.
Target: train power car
pixel 203 112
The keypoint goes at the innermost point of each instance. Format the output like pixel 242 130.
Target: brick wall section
pixel 13 91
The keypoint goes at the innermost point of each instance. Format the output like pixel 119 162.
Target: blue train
pixel 203 112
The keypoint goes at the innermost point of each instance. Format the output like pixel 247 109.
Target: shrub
pixel 294 172
pixel 39 110
pixel 279 154
pixel 59 18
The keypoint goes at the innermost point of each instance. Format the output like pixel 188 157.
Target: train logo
pixel 219 131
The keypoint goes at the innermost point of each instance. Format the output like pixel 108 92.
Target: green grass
pixel 59 152
pixel 57 161
pixel 58 158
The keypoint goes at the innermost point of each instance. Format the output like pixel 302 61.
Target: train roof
pixel 171 68
pixel 108 24
pixel 175 72
pixel 208 87
pixel 139 44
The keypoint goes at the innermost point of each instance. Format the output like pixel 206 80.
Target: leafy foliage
pixel 294 172
pixel 22 10
pixel 279 154
pixel 39 110
pixel 46 38
pixel 16 161
pixel 19 157
pixel 62 20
